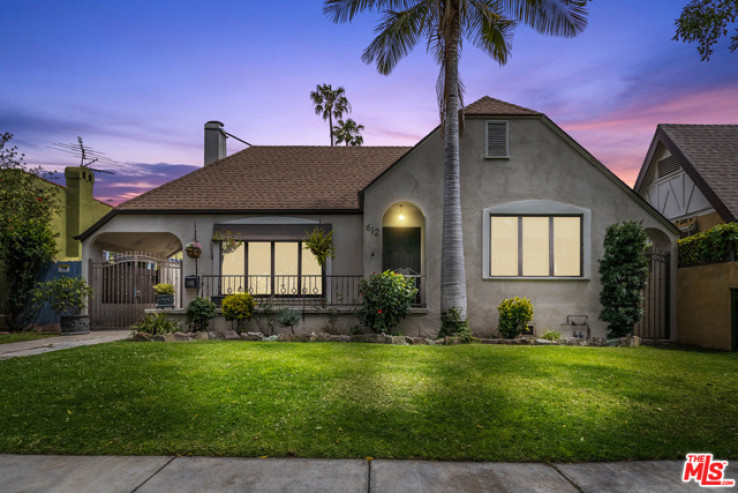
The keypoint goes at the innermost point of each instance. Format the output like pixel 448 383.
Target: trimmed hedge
pixel 716 245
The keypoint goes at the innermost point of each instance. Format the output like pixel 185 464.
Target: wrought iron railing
pixel 293 290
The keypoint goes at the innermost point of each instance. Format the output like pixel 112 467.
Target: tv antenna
pixel 86 154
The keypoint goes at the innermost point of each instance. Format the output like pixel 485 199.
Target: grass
pixel 22 337
pixel 474 402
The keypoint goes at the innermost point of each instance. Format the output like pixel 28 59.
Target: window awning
pixel 269 232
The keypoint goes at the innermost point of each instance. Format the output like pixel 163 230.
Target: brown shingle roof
pixel 492 106
pixel 712 151
pixel 274 178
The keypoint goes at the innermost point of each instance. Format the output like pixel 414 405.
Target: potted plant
pixel 320 244
pixel 164 295
pixel 193 249
pixel 67 296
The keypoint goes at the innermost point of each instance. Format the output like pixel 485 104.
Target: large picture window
pixel 282 268
pixel 535 246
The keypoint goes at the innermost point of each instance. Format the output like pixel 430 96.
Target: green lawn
pixel 474 402
pixel 22 336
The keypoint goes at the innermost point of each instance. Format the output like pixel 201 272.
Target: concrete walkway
pixel 37 473
pixel 28 348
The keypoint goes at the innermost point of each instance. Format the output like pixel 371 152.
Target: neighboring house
pixel 77 211
pixel 535 208
pixel 690 175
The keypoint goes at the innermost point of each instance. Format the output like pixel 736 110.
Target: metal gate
pixel 655 322
pixel 123 288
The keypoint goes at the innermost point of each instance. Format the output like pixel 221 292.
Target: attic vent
pixel 668 166
pixel 497 142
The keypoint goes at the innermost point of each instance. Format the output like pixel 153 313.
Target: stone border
pixel 232 335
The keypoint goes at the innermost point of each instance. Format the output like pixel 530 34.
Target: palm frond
pixel 489 30
pixel 345 10
pixel 566 18
pixel 397 35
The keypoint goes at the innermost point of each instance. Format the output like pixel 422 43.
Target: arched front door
pixel 402 241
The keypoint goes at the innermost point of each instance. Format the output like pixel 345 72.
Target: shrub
pixel 623 271
pixel 65 295
pixel 452 325
pixel 331 321
pixel 551 335
pixel 157 324
pixel 515 313
pixel 356 330
pixel 718 244
pixel 265 316
pixel 387 299
pixel 164 289
pixel 199 313
pixel 238 307
pixel 287 317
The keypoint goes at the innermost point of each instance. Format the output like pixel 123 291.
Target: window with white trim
pixel 497 141
pixel 535 246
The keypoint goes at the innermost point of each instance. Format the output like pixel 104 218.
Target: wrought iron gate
pixel 124 288
pixel 655 322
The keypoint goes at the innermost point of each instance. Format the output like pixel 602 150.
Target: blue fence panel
pixel 55 271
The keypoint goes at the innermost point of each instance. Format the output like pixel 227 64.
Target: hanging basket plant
pixel 228 243
pixel 193 249
pixel 320 244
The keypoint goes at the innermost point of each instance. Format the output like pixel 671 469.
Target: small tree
pixel 27 242
pixel 623 274
pixel 238 308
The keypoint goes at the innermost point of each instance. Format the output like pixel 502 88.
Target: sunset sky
pixel 138 79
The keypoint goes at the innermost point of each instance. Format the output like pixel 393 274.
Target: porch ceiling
pixel 159 244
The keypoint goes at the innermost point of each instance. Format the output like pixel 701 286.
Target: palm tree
pixel 488 24
pixel 349 132
pixel 330 103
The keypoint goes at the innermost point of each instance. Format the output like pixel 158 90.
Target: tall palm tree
pixel 330 103
pixel 349 132
pixel 443 24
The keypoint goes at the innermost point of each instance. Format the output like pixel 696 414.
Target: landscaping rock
pixel 488 341
pixel 323 337
pixel 169 338
pixel 543 342
pixel 399 340
pixel 613 342
pixel 251 336
pixel 157 338
pixel 416 340
pixel 340 338
pixel 506 341
pixel 431 342
pixel 201 336
pixel 141 337
pixel 271 339
pixel 181 336
pixel 294 337
pixel 372 338
pixel 635 341
pixel 212 335
pixel 230 335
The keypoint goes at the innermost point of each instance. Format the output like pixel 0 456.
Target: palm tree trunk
pixel 453 273
pixel 330 126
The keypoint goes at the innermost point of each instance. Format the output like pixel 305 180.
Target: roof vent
pixel 497 143
pixel 668 166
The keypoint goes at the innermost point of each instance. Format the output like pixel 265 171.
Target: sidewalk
pixel 28 348
pixel 37 473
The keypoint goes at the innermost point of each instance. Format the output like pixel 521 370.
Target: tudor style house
pixel 535 206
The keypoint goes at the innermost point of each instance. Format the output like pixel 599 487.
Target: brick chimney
pixel 215 142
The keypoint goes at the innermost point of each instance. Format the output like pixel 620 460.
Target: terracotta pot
pixel 193 252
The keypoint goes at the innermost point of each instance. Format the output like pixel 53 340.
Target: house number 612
pixel 372 231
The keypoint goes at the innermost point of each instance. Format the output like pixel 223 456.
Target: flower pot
pixel 72 325
pixel 193 252
pixel 165 301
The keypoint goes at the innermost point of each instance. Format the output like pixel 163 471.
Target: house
pixel 78 210
pixel 535 207
pixel 690 175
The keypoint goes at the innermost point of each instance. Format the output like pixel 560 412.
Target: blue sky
pixel 137 80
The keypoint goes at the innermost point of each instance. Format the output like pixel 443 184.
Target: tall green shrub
pixel 623 274
pixel 199 313
pixel 27 243
pixel 515 313
pixel 387 299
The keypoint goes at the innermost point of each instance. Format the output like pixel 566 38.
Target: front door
pixel 401 249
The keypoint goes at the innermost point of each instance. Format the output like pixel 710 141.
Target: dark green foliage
pixel 239 308
pixel 718 244
pixel 199 313
pixel 387 299
pixel 453 326
pixel 65 295
pixel 287 317
pixel 515 313
pixel 27 242
pixel 623 271
pixel 705 22
pixel 157 324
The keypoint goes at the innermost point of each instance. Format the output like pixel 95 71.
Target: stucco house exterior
pixel 535 206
